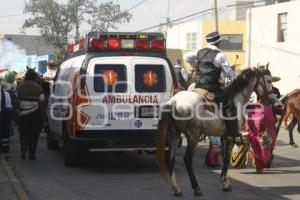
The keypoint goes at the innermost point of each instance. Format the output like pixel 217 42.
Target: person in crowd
pixel 181 75
pixel 209 64
pixel 30 115
pixel 5 118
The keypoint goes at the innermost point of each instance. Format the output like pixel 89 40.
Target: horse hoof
pixel 295 145
pixel 197 192
pixel 227 189
pixel 178 194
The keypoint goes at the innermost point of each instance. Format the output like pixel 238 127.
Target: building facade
pixel 273 36
pixel 37 52
pixel 190 36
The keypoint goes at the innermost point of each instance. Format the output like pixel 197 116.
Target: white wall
pixel 262 45
pixel 177 35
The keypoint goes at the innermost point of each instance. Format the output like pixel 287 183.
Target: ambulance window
pixel 150 78
pixel 110 78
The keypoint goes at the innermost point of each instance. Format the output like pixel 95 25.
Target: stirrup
pixel 238 140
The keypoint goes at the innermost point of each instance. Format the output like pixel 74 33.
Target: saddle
pixel 208 97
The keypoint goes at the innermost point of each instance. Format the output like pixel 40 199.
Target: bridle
pixel 266 92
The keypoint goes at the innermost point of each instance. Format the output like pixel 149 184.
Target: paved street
pixel 134 176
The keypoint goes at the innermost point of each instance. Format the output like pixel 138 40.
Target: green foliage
pixel 107 15
pixel 52 19
pixel 60 22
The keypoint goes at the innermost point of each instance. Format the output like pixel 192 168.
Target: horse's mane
pixel 241 82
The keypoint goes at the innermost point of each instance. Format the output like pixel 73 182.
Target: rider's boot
pixel 233 134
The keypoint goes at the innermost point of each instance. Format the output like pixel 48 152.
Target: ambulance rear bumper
pixel 113 140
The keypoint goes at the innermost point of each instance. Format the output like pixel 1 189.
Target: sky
pixel 149 13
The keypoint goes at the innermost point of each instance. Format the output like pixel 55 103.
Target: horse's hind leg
pixel 226 156
pixel 291 127
pixel 188 160
pixel 171 154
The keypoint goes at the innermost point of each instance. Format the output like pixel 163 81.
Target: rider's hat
pixel 213 37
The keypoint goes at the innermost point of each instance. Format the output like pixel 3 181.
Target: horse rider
pixel 31 99
pixel 210 63
pixel 5 117
pixel 181 75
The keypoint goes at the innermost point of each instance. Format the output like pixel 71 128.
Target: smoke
pixel 10 52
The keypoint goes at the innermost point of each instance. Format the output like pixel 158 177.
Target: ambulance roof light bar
pixel 132 42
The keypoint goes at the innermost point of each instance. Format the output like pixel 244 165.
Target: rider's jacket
pixel 208 74
pixel 210 65
pixel 29 94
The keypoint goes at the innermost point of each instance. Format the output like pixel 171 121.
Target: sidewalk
pixel 7 191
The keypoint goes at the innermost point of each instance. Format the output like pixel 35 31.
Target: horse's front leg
pixel 226 149
pixel 291 127
pixel 188 160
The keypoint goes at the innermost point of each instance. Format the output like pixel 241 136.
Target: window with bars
pixel 282 27
pixel 191 41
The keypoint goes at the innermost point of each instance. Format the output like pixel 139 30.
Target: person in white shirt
pixel 181 75
pixel 208 64
pixel 5 118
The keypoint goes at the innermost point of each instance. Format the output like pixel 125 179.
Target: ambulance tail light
pixel 113 43
pixel 97 43
pixel 158 45
pixel 142 44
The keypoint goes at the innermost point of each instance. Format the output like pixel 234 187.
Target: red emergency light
pixel 141 44
pixel 97 43
pixel 81 43
pixel 113 43
pixel 71 48
pixel 158 45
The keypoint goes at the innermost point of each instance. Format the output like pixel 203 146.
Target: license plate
pixel 148 112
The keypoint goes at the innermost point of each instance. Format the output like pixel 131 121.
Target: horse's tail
pixel 161 134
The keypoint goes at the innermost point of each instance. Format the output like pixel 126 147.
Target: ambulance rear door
pixel 152 86
pixel 108 81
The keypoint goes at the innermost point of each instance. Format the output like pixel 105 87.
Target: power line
pixel 178 19
pixel 188 16
pixel 15 15
pixel 136 5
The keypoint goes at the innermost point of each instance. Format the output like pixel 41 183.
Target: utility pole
pixel 216 15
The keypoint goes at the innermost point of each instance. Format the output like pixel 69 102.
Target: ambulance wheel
pixel 4 149
pixel 72 154
pixel 52 144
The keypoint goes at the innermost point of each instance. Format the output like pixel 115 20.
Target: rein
pixel 266 93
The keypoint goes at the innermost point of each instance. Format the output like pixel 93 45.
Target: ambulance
pixel 108 92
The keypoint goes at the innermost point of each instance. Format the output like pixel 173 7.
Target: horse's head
pixel 31 74
pixel 263 87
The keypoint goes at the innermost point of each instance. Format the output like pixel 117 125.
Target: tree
pixel 52 19
pixel 58 22
pixel 107 15
pixel 78 10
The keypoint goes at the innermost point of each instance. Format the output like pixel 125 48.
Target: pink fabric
pixel 261 119
pixel 212 157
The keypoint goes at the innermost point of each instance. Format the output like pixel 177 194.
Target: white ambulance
pixel 107 94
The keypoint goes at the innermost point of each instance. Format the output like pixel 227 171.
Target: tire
pixel 72 154
pixel 52 144
pixel 4 149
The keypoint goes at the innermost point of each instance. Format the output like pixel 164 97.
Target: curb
pixel 18 187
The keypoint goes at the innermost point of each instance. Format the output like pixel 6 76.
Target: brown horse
pixel 293 109
pixel 187 113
